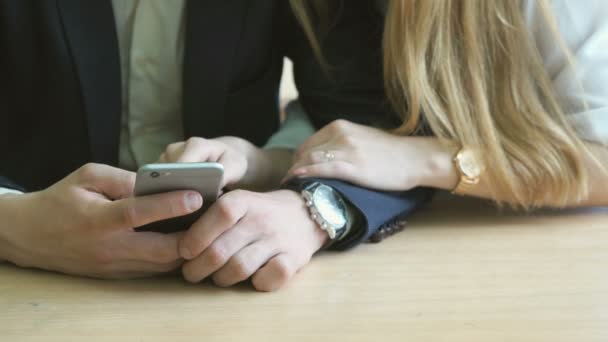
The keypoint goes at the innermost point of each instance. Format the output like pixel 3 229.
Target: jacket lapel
pixel 213 30
pixel 91 34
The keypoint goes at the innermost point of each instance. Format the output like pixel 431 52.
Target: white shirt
pixel 151 44
pixel 583 87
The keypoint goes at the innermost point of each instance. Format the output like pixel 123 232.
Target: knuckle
pixel 227 211
pixel 173 146
pixel 240 269
pixel 275 278
pixel 195 141
pixel 216 256
pixel 264 285
pixel 282 272
pixel 191 274
pixel 88 171
pixel 227 205
pixel 260 284
pixel 195 243
pixel 347 140
pixel 339 125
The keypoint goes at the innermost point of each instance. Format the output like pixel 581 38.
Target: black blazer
pixel 60 95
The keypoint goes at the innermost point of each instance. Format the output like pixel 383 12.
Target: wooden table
pixel 462 271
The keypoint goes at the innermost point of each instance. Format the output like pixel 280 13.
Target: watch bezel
pixel 332 230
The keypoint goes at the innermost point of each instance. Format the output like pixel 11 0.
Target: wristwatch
pixel 470 170
pixel 327 209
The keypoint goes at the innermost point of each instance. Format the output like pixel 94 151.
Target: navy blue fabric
pixel 7 183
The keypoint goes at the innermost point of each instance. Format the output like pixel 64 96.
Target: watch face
pixel 469 164
pixel 330 206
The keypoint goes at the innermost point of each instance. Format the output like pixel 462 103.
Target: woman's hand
pixel 245 165
pixel 373 158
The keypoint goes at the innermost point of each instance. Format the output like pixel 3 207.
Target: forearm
pixel 442 174
pixel 266 168
pixel 7 221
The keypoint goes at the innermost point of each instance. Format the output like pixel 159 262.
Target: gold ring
pixel 329 156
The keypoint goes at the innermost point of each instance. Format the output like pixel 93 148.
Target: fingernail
pixel 185 253
pixel 194 201
pixel 299 172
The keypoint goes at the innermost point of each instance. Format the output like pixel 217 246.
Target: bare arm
pixel 444 175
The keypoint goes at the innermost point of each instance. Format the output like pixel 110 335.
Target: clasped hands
pixel 84 223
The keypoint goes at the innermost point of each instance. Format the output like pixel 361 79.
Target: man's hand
pixel 269 236
pixel 83 225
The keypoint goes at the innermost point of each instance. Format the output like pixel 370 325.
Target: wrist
pixel 438 168
pixel 11 213
pixel 320 237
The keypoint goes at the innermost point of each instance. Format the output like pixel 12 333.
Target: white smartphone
pixel 205 178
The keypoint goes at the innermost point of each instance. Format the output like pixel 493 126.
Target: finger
pixel 218 254
pixel 151 247
pixel 138 211
pixel 323 136
pixel 337 170
pixel 320 156
pixel 311 144
pixel 174 151
pixel 219 218
pixel 200 150
pixel 114 183
pixel 245 263
pixel 275 274
pixel 235 166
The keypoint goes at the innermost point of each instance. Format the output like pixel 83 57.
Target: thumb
pixel 138 211
pixel 112 182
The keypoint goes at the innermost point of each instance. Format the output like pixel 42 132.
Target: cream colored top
pixel 582 87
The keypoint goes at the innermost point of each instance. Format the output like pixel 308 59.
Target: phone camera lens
pixel 154 174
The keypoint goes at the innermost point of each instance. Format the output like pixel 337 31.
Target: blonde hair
pixel 470 69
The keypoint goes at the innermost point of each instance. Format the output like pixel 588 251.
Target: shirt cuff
pixel 7 191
